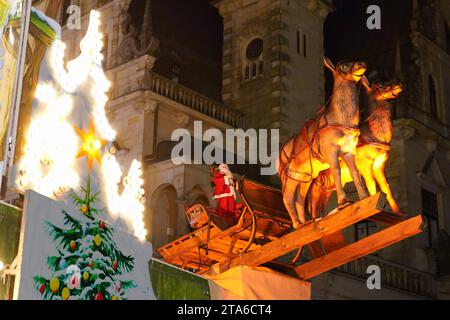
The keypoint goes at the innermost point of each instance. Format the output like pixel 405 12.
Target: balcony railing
pixel 393 275
pixel 194 100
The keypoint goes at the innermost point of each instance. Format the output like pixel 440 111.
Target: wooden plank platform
pixel 361 248
pixel 324 238
pixel 388 218
pixel 310 232
pixel 194 251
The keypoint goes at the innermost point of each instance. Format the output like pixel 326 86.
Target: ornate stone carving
pixel 182 119
pixel 405 132
pixel 319 8
pixel 151 106
pixel 145 103
pixel 134 44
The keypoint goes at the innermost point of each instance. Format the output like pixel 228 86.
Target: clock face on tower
pixel 254 49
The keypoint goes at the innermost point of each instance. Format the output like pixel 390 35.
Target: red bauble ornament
pixel 91 264
pixel 73 245
pixel 115 265
pixel 42 289
pixel 99 296
pixel 102 225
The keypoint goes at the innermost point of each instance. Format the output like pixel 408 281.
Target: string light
pixel 49 165
pixel 11 36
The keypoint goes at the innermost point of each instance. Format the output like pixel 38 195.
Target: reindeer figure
pixel 372 151
pixel 323 141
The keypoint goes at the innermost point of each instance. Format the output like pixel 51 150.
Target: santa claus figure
pixel 73 274
pixel 225 192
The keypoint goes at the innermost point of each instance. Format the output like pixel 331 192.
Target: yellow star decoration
pixel 92 146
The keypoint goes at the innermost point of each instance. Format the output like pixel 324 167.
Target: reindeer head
pixel 384 90
pixel 350 71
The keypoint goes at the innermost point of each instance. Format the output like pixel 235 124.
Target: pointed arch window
pixel 447 37
pixel 433 97
pixel 431 213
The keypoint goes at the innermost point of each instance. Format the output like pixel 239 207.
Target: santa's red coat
pixel 226 203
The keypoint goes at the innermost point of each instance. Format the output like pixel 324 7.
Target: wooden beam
pixel 361 248
pixel 191 242
pixel 388 218
pixel 311 232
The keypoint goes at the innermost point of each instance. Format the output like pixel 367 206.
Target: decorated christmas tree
pixel 89 266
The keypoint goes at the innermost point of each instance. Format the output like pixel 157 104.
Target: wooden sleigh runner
pixel 264 233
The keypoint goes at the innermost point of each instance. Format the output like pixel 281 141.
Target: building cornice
pixel 419 129
pixel 319 8
pixel 419 38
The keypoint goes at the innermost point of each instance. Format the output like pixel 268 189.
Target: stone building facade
pixel 273 77
pixel 273 61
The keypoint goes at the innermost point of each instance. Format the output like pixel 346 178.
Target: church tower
pixel 273 61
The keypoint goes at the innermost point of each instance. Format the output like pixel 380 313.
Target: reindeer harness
pixel 313 144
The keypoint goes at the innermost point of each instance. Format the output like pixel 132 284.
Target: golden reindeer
pixel 323 141
pixel 372 151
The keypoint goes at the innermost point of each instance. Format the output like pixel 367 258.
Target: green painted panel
pixel 39 23
pixel 171 283
pixel 9 237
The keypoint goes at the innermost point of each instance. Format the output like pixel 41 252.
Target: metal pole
pixel 17 95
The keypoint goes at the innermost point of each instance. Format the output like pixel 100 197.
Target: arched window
pixel 165 216
pixel 431 213
pixel 253 64
pixel 433 97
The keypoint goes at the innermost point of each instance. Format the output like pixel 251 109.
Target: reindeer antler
pixel 329 64
pixel 366 83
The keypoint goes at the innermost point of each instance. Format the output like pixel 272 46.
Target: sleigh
pixel 263 235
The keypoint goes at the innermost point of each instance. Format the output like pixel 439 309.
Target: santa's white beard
pixel 226 172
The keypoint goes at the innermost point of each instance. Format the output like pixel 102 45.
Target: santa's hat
pixel 225 169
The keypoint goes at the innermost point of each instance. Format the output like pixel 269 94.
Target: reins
pixel 318 156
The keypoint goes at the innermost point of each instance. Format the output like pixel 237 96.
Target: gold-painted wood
pixel 361 248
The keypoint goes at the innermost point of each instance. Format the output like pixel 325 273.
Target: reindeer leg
pixel 288 199
pixel 385 188
pixel 314 200
pixel 349 159
pixel 300 204
pixel 335 168
pixel 370 180
pixel 319 198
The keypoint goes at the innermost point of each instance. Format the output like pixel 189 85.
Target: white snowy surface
pixel 36 245
pixel 52 23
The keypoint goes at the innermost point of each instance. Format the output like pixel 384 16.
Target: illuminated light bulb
pixel 2 266
pixel 97 144
pixel 45 92
pixel 11 36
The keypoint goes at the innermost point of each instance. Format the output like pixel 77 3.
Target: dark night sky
pixel 347 37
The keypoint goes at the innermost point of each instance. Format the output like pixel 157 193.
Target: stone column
pixel 150 128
